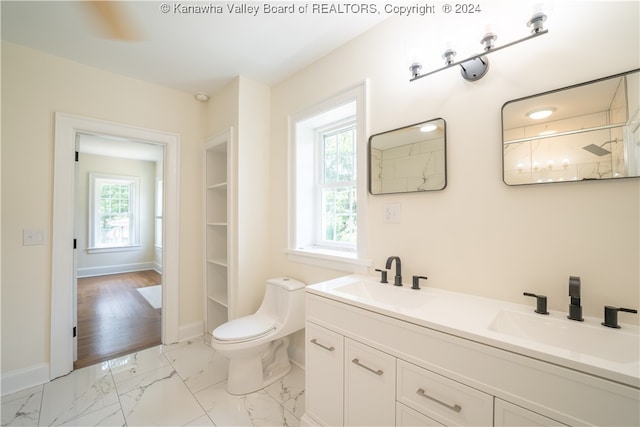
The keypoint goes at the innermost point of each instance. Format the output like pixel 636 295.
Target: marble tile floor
pixel 181 384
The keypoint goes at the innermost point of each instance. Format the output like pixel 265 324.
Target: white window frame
pixel 94 212
pixel 331 128
pixel 302 246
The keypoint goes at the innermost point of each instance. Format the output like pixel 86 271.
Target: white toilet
pixel 256 345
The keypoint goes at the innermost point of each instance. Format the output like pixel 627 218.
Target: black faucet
pixel 398 276
pixel 383 275
pixel 541 302
pixel 611 315
pixel 416 281
pixel 575 309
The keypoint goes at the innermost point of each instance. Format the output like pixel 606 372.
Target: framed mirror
pixel 408 159
pixel 583 132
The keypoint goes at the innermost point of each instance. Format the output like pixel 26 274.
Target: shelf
pixel 220 262
pixel 222 186
pixel 217 189
pixel 217 314
pixel 219 299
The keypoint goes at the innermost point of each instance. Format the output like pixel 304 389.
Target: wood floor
pixel 113 318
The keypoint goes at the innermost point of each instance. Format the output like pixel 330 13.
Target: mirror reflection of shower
pixel 599 150
pixel 583 132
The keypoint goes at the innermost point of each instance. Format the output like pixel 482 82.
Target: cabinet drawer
pixel 323 375
pixel 370 386
pixel 509 415
pixel 407 417
pixel 445 400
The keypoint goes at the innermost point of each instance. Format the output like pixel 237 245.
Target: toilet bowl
pixel 256 345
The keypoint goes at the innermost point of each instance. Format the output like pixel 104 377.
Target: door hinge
pixel 77 156
pixel 75 243
pixel 75 330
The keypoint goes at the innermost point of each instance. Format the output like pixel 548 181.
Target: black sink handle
pixel 541 302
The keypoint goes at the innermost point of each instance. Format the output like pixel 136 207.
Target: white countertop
pixel 471 317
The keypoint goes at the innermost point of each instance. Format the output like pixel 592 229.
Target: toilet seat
pixel 245 328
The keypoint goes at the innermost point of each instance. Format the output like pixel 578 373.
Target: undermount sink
pixel 384 294
pixel 614 345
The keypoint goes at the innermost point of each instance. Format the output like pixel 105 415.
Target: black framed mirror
pixel 408 159
pixel 587 131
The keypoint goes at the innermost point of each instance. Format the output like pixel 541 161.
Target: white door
pixel 74 303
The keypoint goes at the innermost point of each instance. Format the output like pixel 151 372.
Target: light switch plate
pixel 392 213
pixel 32 237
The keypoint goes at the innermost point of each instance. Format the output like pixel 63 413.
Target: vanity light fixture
pixel 476 66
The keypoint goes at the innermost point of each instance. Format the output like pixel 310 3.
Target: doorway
pixel 118 232
pixel 67 129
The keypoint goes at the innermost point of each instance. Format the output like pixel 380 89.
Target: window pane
pixel 345 142
pixel 330 169
pixel 104 191
pixel 328 227
pixel 338 223
pixel 339 156
pixel 337 188
pixel 330 144
pixel 114 227
pixel 328 201
pixel 346 169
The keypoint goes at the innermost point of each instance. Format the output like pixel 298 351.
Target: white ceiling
pixel 117 147
pixel 188 52
pixel 575 102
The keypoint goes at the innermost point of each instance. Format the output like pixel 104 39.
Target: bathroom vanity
pixel 377 354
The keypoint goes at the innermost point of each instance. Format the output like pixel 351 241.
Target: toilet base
pixel 259 369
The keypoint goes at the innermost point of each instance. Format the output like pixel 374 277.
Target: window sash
pixel 114 212
pixel 331 226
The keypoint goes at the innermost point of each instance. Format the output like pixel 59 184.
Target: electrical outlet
pixel 392 213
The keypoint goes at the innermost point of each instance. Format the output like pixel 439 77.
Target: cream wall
pixel 35 86
pixel 478 235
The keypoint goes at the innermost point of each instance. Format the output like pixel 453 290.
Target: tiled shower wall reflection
pixel 413 167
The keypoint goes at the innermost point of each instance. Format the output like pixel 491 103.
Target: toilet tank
pixel 284 301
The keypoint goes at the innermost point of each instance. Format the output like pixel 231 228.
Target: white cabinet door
pixel 370 381
pixel 324 375
pixel 508 414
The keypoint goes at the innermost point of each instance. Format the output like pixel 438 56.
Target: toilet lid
pixel 244 328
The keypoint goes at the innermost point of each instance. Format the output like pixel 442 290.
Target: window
pixel 336 188
pixel 328 178
pixel 114 219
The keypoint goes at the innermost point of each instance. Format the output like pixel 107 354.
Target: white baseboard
pixel 25 378
pixel 307 421
pixel 157 267
pixel 115 269
pixel 190 331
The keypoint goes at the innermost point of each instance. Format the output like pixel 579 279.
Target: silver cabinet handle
pixel 357 362
pixel 455 408
pixel 313 341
